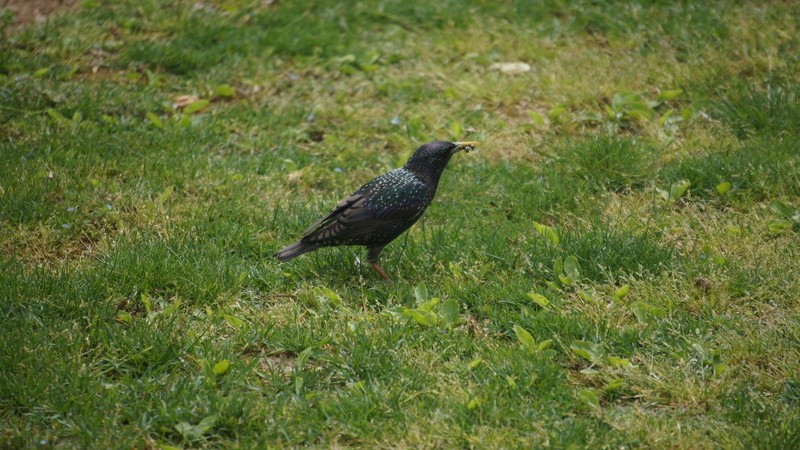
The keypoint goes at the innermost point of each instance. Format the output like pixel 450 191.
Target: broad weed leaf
pixel 188 431
pixel 616 362
pixel 571 267
pixel 197 106
pixel 778 226
pixel 525 339
pixel 123 317
pixel 421 293
pixel 539 299
pixel 643 311
pixel 154 120
pixel 429 305
pixel 614 384
pixel 207 423
pixel 233 321
pixel 169 310
pixel 221 367
pixel 589 397
pixel 325 294
pixel 556 112
pixel 224 90
pixel 780 208
pixel 56 116
pixel 669 95
pixel 678 188
pixel 425 318
pixel 589 351
pixel 449 312
pixel 539 227
pixel 195 432
pixel 550 234
pixel 184 121
pixel 610 112
pixel 146 302
pixel 558 268
pixel 511 382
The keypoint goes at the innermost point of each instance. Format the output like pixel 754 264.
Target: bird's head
pixel 431 158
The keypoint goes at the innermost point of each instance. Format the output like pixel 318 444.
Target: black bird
pixel 382 209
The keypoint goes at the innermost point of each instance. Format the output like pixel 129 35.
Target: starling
pixel 382 209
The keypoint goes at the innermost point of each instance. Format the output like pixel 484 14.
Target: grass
pixel 140 305
pixel 605 164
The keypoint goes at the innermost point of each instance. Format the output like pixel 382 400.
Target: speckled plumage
pixel 381 210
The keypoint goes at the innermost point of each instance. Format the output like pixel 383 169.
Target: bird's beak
pixel 466 146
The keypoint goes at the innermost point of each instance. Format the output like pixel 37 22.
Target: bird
pixel 382 209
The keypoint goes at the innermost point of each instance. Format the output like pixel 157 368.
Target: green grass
pixel 605 164
pixel 141 307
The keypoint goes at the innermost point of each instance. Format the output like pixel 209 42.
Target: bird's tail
pixel 295 250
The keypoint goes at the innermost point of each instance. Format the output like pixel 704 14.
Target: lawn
pixel 618 265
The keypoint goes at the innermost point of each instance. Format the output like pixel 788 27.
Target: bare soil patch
pixel 33 11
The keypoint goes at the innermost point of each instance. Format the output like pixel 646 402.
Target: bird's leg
pixel 372 258
pixel 380 271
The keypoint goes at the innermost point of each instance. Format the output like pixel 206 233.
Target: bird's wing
pixel 341 207
pixel 359 222
pixel 364 214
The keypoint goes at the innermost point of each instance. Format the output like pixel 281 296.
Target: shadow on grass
pixel 761 168
pixel 605 163
pixel 771 111
pixel 604 253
